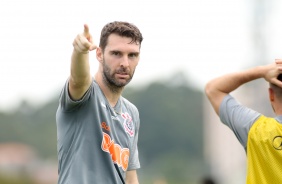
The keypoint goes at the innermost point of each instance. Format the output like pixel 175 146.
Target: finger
pixel 93 47
pixel 77 46
pixel 84 40
pixel 86 29
pixel 89 38
pixel 86 33
pixel 78 49
pixel 81 44
pixel 277 83
pixel 278 61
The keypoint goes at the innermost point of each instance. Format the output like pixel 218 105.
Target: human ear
pixel 99 54
pixel 271 94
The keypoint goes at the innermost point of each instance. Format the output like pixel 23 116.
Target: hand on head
pixel 273 72
pixel 83 43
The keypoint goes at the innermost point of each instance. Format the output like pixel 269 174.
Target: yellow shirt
pixel 264 152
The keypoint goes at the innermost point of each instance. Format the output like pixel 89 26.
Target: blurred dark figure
pixel 208 180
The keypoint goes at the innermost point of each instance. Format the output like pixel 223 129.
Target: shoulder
pixel 238 118
pixel 129 105
pixel 68 104
pixel 263 122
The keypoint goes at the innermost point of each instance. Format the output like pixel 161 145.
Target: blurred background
pixel 186 43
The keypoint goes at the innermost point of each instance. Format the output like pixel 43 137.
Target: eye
pixel 133 55
pixel 116 53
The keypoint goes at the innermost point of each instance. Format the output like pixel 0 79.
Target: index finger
pixel 86 29
pixel 277 83
pixel 86 33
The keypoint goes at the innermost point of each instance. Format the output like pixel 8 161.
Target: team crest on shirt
pixel 128 124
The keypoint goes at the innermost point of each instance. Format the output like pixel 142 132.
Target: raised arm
pixel 80 77
pixel 218 88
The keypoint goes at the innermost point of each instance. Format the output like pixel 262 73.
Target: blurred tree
pixel 15 180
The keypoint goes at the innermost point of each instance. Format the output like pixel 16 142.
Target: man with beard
pixel 97 128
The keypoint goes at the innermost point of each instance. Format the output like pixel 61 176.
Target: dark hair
pixel 122 29
pixel 277 90
pixel 279 77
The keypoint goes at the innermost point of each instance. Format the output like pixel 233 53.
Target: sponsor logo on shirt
pixel 119 155
pixel 128 124
pixel 277 142
pixel 105 126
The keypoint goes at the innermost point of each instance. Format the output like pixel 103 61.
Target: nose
pixel 125 62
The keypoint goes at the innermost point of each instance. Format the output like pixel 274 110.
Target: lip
pixel 122 75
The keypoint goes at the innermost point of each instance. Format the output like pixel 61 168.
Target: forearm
pixel 80 69
pixel 219 87
pixel 229 82
pixel 131 177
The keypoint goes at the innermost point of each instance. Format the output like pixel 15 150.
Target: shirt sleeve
pixel 238 118
pixel 134 162
pixel 66 103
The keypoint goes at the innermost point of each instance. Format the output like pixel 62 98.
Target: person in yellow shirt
pixel 260 136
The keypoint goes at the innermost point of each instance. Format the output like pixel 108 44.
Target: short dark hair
pixel 122 29
pixel 279 77
pixel 277 90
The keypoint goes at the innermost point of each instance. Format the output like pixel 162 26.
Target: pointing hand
pixel 83 43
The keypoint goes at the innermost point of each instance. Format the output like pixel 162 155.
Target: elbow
pixel 215 96
pixel 208 89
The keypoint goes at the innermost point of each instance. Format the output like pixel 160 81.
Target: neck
pixel 112 93
pixel 278 112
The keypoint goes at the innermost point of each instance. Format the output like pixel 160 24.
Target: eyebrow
pixel 137 53
pixel 122 52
